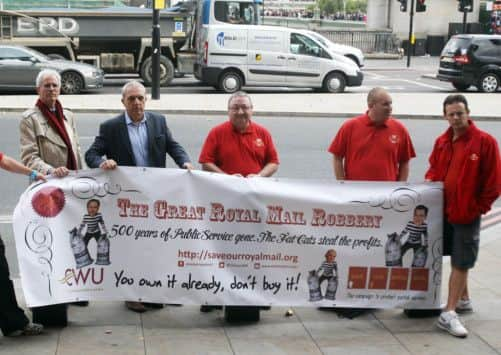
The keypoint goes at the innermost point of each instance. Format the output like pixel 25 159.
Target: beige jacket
pixel 41 147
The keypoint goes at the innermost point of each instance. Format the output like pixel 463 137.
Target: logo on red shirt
pixel 473 157
pixel 394 138
pixel 259 142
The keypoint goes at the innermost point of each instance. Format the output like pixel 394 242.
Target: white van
pixel 252 55
pixel 353 53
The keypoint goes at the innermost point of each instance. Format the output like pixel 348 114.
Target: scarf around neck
pixel 56 121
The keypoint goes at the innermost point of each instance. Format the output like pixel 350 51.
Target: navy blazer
pixel 114 143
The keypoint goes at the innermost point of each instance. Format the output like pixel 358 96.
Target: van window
pixel 236 12
pixel 300 44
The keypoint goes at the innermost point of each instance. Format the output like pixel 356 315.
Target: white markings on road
pixel 375 76
pixel 423 84
pixel 5 219
pixel 379 77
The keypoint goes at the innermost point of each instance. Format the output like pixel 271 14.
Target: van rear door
pixel 267 61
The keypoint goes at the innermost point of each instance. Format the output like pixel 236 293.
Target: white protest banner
pixel 173 236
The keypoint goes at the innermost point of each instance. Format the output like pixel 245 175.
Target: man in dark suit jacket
pixel 135 138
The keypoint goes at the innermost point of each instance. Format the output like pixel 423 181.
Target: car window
pixel 300 44
pixel 497 44
pixel 486 48
pixel 456 45
pixel 13 53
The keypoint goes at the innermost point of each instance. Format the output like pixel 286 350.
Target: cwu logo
pixel 220 39
pixel 83 277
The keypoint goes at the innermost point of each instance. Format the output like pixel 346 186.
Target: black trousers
pixel 12 317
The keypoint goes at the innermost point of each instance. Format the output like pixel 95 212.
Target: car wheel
pixel 488 82
pixel 230 82
pixel 461 86
pixel 334 82
pixel 166 71
pixel 71 83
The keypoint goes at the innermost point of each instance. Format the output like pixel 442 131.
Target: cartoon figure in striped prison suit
pixel 96 229
pixel 329 273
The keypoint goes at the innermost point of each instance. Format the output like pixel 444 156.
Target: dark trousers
pixel 12 317
pixel 87 238
pixel 407 246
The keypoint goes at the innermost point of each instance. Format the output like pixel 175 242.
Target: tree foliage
pixel 328 7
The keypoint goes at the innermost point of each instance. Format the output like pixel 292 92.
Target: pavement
pixel 405 105
pixel 109 328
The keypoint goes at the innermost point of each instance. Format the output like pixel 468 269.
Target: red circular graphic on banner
pixel 48 202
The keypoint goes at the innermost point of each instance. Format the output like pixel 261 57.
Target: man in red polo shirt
pixel 467 160
pixel 239 147
pixel 373 146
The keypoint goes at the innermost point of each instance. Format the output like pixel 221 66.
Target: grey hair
pixel 374 93
pixel 131 84
pixel 239 94
pixel 47 73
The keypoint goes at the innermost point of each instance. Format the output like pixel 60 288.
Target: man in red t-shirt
pixel 373 146
pixel 467 160
pixel 239 147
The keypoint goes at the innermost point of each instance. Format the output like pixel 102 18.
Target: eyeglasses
pixel 237 108
pixel 134 98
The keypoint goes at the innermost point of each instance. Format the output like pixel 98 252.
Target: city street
pixel 392 74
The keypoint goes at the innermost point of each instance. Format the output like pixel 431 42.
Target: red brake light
pixel 206 51
pixel 462 59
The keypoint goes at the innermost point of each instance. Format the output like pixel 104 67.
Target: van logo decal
pixel 220 39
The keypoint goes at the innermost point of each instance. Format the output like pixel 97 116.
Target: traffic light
pixel 420 6
pixel 465 5
pixel 403 5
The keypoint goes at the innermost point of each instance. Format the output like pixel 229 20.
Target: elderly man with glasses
pixel 243 148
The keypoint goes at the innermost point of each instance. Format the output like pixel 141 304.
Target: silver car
pixel 19 67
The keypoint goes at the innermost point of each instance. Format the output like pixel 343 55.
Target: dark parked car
pixel 19 67
pixel 472 60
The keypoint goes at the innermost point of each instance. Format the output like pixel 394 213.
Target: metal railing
pixel 366 41
pixel 352 33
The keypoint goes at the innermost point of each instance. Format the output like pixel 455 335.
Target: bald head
pixel 380 105
pixel 373 95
